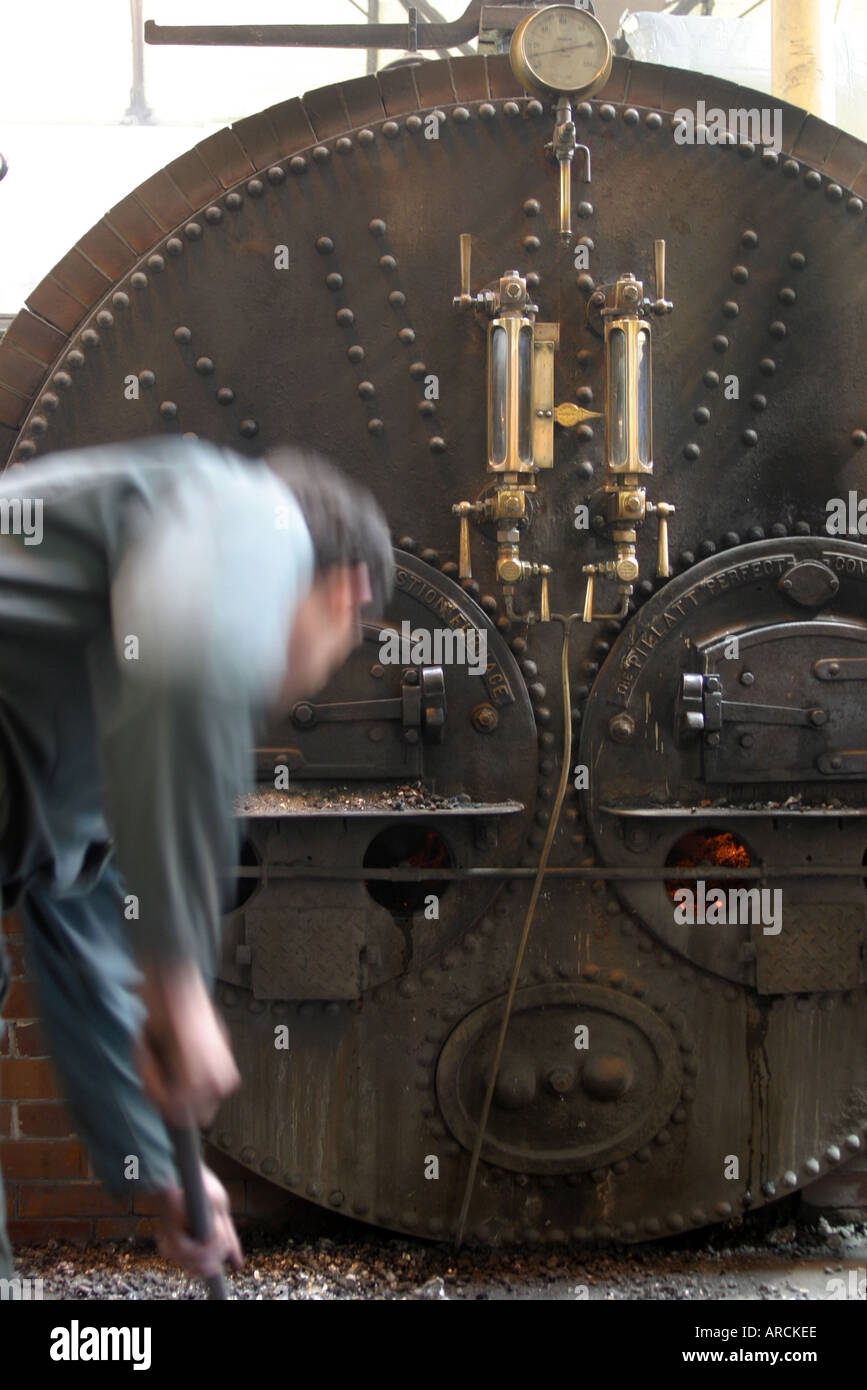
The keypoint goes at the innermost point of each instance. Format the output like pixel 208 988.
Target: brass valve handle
pixel 661 304
pixel 544 603
pixel 466 253
pixel 464 510
pixel 587 615
pixel 603 567
pixel 663 511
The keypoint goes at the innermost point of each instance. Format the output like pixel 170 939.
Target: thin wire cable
pixel 525 933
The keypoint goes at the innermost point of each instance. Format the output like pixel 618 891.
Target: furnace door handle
pixel 741 712
pixel 306 715
pixel 421 706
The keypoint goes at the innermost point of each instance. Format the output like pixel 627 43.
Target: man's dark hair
pixel 346 523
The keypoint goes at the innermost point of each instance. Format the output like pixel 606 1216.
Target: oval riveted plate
pixel 558 1109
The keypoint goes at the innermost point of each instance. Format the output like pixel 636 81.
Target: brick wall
pixel 51 1193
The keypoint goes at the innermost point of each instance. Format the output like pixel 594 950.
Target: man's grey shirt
pixel 142 635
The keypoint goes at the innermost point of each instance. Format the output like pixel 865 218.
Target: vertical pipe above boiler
pixel 803 66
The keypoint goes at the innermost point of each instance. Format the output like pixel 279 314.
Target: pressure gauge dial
pixel 561 49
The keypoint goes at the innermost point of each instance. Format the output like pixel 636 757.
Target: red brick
pixel 37 1232
pixel 11 924
pixel 20 1002
pixel 15 957
pixel 148 1204
pixel 6 1040
pixel 68 1199
pixel 5 1119
pixel 29 1040
pixel 44 1119
pixel 122 1227
pixel 40 1158
pixel 24 1079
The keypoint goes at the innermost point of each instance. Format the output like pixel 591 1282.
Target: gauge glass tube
pixel 618 397
pixel 525 352
pixel 644 397
pixel 497 404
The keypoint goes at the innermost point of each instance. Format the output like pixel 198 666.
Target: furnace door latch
pixel 421 707
pixel 703 709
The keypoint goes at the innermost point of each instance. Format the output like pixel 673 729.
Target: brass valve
pixel 511 570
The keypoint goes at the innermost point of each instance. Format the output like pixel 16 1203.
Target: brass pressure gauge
pixel 561 50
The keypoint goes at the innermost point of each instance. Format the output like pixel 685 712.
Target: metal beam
pixel 393 36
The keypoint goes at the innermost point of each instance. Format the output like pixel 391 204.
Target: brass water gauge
pixel 561 50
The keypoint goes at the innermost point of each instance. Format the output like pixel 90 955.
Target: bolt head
pixel 621 728
pixel 485 718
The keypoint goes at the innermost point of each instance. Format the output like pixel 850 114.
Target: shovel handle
pixel 185 1142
